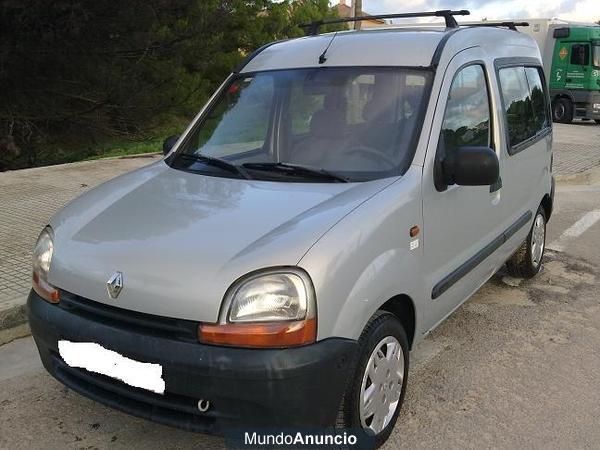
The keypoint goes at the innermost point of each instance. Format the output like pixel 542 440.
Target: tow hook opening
pixel 203 405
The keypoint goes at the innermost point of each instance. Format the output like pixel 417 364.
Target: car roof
pixel 399 47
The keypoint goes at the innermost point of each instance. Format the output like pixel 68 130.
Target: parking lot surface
pixel 576 147
pixel 518 365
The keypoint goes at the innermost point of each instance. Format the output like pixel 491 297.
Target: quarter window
pixel 525 103
pixel 467 117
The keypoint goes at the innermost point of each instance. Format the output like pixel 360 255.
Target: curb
pixel 149 155
pixel 13 322
pixel 587 177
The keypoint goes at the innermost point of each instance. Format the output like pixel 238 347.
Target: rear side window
pixel 467 117
pixel 541 114
pixel 525 103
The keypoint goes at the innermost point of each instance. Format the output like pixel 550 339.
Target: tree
pixel 76 73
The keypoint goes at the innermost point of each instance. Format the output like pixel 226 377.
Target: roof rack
pixel 511 25
pixel 448 15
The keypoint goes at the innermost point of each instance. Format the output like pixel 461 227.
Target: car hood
pixel 181 239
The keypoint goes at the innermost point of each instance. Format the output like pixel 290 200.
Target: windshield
pixel 355 123
pixel 596 55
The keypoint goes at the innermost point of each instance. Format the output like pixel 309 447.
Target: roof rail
pixel 448 15
pixel 511 25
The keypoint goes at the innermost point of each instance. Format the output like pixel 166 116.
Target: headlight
pixel 42 258
pixel 272 297
pixel 274 308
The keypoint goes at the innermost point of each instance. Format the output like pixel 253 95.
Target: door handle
pixel 496 186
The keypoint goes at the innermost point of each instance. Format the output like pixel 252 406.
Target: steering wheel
pixel 376 155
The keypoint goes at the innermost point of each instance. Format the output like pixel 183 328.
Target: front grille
pixel 157 326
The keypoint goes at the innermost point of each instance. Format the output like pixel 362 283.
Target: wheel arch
pixel 403 307
pixel 547 204
pixel 563 94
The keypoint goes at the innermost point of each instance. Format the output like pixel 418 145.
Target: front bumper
pixel 590 107
pixel 593 110
pixel 296 387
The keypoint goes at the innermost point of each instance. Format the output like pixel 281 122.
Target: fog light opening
pixel 203 405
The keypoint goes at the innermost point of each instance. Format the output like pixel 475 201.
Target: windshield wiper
pixel 217 162
pixel 295 169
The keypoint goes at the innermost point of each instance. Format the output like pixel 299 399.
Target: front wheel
pixel 597 121
pixel 374 395
pixel 562 110
pixel 527 260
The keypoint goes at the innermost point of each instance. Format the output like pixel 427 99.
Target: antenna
pixel 323 56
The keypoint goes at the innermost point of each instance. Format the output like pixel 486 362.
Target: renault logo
pixel 114 285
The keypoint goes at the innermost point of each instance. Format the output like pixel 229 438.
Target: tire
pixel 597 121
pixel 383 331
pixel 562 110
pixel 527 260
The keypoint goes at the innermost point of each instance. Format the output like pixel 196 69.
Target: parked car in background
pixel 337 198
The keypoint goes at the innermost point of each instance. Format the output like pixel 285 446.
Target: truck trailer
pixel 571 57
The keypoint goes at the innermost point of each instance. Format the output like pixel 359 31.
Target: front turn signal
pixel 45 289
pixel 260 335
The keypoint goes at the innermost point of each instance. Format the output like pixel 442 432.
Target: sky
pixel 575 10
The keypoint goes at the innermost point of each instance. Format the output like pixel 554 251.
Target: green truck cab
pixel 571 57
pixel 575 74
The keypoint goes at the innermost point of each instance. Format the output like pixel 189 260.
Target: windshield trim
pixel 294 169
pixel 233 77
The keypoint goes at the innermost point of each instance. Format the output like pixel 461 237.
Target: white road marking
pixel 575 230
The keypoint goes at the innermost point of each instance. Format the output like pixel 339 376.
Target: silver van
pixel 336 199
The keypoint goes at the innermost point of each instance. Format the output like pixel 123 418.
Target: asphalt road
pixel 518 365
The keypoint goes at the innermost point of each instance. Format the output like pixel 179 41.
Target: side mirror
pixel 472 166
pixel 169 143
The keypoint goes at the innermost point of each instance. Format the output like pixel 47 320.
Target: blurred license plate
pixel 95 358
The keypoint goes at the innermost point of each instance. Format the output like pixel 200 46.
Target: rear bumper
pixel 297 387
pixel 588 105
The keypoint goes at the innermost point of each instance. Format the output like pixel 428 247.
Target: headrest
pixel 328 123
